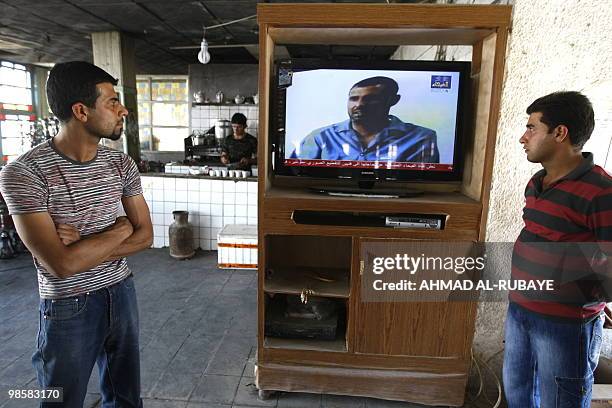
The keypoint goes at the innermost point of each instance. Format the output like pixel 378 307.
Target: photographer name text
pixel 464 285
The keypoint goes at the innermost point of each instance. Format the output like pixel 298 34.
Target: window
pixel 16 110
pixel 163 112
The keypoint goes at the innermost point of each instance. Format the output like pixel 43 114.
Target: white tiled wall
pixel 203 117
pixel 211 205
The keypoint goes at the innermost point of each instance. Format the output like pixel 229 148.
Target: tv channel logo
pixel 440 82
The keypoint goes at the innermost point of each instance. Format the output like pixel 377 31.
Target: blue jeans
pixel 75 333
pixel 548 363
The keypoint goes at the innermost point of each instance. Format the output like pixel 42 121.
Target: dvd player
pixel 369 219
pixel 413 222
pixel 366 192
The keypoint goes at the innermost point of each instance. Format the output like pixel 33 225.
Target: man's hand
pixel 68 234
pixel 124 225
pixel 245 161
pixel 139 223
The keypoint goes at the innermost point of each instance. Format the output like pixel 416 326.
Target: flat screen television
pixel 366 121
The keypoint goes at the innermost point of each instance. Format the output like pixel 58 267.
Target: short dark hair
pixel 239 119
pixel 569 108
pixel 389 84
pixel 72 82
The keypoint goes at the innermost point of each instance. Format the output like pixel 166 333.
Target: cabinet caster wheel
pixel 265 394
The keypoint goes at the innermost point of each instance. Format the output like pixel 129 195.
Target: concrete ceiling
pixel 49 31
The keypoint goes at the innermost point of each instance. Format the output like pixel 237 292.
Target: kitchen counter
pixel 212 202
pixel 200 176
pixel 203 167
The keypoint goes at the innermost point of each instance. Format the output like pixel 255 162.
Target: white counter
pixel 212 204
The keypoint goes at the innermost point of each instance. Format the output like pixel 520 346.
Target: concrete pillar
pixel 114 52
pixel 41 104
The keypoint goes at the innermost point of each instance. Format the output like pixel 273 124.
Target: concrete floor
pixel 197 336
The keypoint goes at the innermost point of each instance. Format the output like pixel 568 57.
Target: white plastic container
pixel 237 247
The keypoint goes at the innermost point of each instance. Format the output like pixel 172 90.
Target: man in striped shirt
pixel 553 339
pixel 65 195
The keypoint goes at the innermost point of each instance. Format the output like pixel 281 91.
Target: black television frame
pixel 277 121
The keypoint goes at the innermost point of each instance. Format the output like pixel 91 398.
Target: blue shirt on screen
pixel 400 142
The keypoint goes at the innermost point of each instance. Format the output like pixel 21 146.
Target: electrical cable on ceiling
pixel 232 22
pixel 204 55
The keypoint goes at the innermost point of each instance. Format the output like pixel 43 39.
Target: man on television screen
pixel 370 133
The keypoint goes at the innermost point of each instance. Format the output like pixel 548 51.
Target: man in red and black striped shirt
pixel 553 338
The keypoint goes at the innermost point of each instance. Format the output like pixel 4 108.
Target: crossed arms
pixel 63 253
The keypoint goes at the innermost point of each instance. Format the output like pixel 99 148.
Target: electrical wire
pixel 231 22
pixel 477 364
pixel 605 161
pixel 498 385
pixel 494 355
pixel 204 55
pixel 474 363
pixel 424 52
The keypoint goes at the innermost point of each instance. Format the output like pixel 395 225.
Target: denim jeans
pixel 77 332
pixel 549 363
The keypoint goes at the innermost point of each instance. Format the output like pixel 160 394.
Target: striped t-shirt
pixel 84 195
pixel 567 238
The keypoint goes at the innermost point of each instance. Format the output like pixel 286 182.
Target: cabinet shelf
pixel 337 345
pixel 327 282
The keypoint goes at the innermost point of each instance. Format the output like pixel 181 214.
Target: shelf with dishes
pixel 222 104
pixel 199 98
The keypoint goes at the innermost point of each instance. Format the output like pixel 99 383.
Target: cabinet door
pixel 413 328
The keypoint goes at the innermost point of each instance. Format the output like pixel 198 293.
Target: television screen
pixel 396 119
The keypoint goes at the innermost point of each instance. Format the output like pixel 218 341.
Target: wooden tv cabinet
pixel 411 351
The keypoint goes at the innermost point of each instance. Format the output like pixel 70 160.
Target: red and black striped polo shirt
pixel 567 238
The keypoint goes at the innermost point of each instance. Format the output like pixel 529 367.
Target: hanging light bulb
pixel 204 55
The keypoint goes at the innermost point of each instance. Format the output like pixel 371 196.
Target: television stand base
pixel 365 192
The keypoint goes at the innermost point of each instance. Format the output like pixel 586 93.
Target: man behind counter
pixel 239 150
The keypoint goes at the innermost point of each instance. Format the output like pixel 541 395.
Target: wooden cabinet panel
pixel 413 329
pixel 410 323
